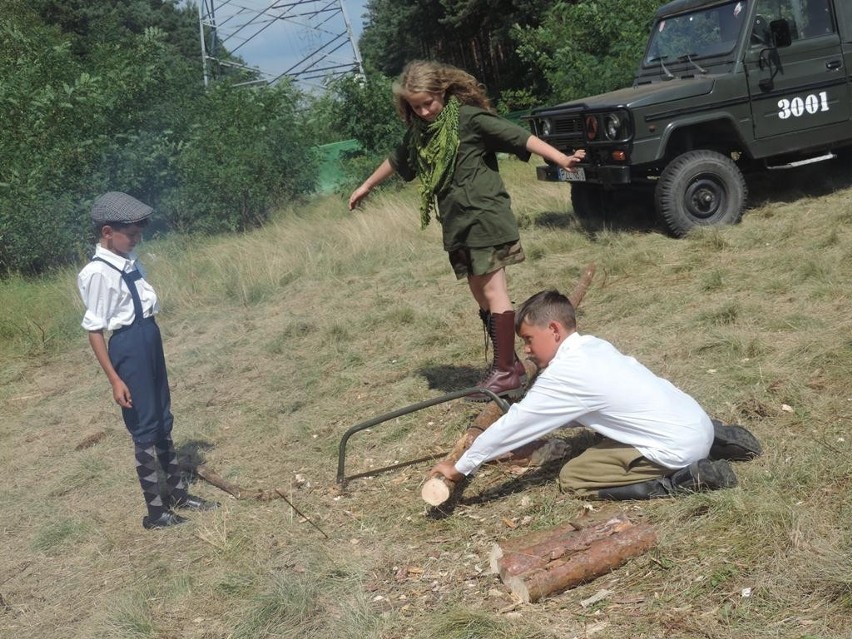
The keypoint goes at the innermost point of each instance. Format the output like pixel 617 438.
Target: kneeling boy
pixel 657 440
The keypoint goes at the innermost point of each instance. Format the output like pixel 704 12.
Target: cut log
pixel 566 540
pixel 498 550
pixel 437 490
pixel 549 562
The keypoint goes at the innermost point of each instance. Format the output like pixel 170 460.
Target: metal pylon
pixel 312 39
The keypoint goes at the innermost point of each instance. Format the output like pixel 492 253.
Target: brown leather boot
pixel 507 374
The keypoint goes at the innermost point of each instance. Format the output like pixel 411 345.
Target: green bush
pixel 94 100
pixel 588 47
pixel 246 153
pixel 61 118
pixel 364 112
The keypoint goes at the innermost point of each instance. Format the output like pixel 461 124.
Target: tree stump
pixel 551 561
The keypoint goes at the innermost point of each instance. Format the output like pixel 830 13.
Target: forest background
pixel 109 96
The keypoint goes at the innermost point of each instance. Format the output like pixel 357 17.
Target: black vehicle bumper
pixel 606 175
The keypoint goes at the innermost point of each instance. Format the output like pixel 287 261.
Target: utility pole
pixel 308 41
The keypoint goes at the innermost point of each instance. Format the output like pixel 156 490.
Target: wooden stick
pixel 583 284
pixel 212 477
pixel 300 513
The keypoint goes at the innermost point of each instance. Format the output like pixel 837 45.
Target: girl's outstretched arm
pixel 540 147
pixel 381 174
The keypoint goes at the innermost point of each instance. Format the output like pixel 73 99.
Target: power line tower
pixel 306 40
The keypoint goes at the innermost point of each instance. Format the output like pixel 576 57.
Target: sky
pixel 284 44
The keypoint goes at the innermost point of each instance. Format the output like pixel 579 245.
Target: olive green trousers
pixel 606 465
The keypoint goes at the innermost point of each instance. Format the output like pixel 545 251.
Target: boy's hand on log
pixel 447 469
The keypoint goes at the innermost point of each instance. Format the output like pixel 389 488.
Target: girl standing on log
pixel 451 145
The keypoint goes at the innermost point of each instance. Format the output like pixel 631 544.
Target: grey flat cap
pixel 119 207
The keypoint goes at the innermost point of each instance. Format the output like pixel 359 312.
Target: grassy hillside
pixel 279 340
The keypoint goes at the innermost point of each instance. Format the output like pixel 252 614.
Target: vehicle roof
pixel 679 6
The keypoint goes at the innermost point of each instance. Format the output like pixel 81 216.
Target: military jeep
pixel 724 87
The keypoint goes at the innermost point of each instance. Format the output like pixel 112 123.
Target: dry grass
pixel 279 340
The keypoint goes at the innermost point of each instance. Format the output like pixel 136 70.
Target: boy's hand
pixel 121 394
pixel 448 470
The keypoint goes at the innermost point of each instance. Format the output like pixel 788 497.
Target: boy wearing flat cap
pixel 118 299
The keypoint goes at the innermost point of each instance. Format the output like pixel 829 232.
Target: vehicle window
pixel 769 10
pixel 807 19
pixel 702 33
pixel 817 15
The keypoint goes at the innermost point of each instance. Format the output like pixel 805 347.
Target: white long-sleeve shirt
pixel 591 383
pixel 107 299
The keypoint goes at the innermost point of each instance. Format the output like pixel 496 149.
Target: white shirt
pixel 108 302
pixel 591 383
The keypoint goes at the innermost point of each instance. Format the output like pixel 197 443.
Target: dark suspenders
pixel 129 280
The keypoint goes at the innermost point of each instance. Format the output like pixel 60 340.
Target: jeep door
pixel 799 88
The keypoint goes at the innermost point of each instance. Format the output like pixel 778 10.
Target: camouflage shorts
pixel 481 261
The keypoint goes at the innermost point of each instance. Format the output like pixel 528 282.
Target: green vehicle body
pixel 724 87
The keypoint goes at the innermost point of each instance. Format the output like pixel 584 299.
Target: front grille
pixel 568 126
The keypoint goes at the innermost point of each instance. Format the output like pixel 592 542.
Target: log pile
pixel 551 561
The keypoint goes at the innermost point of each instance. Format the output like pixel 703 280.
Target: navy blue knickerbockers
pixel 136 353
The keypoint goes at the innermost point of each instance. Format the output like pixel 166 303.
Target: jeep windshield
pixel 687 37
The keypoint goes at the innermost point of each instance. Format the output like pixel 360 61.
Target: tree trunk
pixel 551 561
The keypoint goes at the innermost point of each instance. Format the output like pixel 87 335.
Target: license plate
pixel 577 175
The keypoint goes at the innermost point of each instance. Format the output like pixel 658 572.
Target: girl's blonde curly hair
pixel 427 76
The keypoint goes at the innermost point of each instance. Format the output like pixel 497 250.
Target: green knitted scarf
pixel 433 149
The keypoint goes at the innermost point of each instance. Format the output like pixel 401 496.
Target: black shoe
pixel 650 489
pixel 163 521
pixel 191 502
pixel 733 443
pixel 705 474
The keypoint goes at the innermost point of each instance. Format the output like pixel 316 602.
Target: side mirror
pixel 782 35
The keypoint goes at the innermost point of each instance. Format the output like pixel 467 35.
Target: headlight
pixel 591 124
pixel 616 126
pixel 545 126
pixel 613 126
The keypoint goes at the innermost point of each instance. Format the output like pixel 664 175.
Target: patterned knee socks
pixel 146 469
pixel 167 456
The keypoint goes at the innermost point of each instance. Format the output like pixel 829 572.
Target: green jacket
pixel 475 208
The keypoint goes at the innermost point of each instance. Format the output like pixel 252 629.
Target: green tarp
pixel 331 170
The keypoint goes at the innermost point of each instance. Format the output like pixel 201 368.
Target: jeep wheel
pixel 593 202
pixel 586 200
pixel 700 188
